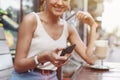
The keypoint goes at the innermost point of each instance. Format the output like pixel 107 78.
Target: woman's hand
pixel 86 18
pixel 56 59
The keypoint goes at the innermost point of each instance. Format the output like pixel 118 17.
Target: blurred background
pixel 105 12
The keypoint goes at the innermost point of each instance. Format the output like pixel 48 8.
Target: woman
pixel 42 36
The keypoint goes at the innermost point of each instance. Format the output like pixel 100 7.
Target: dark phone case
pixel 68 49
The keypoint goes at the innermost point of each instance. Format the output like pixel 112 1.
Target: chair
pixel 6 63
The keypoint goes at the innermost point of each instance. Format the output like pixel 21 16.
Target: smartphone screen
pixel 68 50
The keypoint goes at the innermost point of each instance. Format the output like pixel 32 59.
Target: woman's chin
pixel 58 13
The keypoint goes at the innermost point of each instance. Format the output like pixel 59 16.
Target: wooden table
pixel 87 73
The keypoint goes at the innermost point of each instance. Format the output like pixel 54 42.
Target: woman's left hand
pixel 86 18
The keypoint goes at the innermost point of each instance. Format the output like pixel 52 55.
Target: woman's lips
pixel 58 9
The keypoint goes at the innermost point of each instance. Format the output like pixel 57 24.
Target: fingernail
pixel 65 58
pixel 86 17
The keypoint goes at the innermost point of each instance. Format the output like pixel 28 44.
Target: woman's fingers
pixel 85 18
pixel 56 59
pixel 60 60
pixel 63 62
pixel 57 50
pixel 81 15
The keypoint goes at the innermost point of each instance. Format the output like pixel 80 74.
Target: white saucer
pixel 99 67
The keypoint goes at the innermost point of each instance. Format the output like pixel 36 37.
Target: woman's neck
pixel 51 18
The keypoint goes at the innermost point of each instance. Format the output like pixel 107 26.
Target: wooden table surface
pixel 87 73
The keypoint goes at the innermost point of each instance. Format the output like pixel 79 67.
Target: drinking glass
pixel 101 47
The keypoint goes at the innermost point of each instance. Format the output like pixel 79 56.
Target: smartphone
pixel 68 50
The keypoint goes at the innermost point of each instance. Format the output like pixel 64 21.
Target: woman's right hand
pixel 55 58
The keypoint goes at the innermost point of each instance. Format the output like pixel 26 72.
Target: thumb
pixel 57 50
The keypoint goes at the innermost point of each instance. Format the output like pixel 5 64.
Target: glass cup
pixel 101 47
